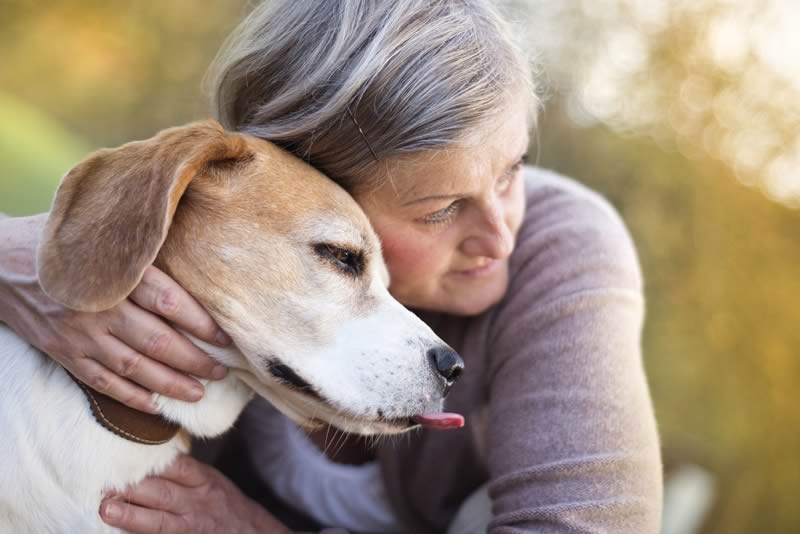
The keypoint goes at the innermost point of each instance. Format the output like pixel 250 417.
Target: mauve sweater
pixel 559 417
pixel 558 414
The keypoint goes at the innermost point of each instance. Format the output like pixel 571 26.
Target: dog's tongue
pixel 440 421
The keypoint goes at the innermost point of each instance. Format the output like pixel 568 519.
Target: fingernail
pixel 222 338
pixel 196 392
pixel 152 407
pixel 111 510
pixel 219 372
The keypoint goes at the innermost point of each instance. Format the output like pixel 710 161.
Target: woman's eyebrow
pixel 524 151
pixel 435 197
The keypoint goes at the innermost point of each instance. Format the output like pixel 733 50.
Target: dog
pixel 278 254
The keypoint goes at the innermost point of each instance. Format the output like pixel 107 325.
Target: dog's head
pixel 280 256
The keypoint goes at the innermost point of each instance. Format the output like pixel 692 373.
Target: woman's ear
pixel 112 211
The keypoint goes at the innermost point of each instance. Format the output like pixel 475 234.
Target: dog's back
pixel 56 461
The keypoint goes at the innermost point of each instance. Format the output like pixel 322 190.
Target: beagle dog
pixel 280 256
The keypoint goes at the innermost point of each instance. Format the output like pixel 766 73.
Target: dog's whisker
pixel 325 440
pixel 342 444
pixel 330 443
pixel 338 436
pixel 339 448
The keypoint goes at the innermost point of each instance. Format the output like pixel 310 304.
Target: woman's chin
pixel 473 306
pixel 473 297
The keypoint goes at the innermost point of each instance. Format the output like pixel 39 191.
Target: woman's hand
pixel 188 497
pixel 126 352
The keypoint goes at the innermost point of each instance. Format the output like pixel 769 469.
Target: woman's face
pixel 448 219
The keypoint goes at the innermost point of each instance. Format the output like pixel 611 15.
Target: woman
pixel 421 110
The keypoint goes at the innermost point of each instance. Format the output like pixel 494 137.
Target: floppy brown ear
pixel 112 211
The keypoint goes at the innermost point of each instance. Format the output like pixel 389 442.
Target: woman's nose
pixel 491 238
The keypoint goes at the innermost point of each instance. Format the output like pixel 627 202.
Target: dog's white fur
pixel 243 245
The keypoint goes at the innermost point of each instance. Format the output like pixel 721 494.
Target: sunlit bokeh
pixel 707 78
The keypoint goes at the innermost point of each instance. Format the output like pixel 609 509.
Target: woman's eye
pixel 443 215
pixel 506 180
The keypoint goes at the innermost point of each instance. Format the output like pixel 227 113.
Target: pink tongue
pixel 439 420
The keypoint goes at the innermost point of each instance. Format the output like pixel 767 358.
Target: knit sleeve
pixel 572 440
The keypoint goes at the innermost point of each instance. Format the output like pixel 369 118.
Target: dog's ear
pixel 112 211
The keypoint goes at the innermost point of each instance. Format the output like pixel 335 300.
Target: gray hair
pixel 345 83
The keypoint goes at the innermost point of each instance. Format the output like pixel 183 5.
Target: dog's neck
pixel 222 401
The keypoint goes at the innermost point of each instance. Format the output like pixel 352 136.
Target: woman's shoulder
pixel 544 185
pixel 571 239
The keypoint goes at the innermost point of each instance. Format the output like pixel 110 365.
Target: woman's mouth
pixel 481 270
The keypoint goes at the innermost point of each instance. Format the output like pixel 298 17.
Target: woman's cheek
pixel 404 257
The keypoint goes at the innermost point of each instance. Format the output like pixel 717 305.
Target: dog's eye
pixel 346 260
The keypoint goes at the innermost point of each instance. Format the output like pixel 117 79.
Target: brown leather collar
pixel 133 425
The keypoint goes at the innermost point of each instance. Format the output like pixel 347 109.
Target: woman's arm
pixel 125 352
pixel 572 444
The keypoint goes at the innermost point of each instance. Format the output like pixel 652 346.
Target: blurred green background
pixel 685 114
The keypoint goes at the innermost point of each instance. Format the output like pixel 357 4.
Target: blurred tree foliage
pixel 720 259
pixel 34 150
pixel 113 71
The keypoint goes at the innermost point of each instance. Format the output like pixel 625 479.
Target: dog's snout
pixel 447 363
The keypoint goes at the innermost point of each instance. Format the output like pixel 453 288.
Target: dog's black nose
pixel 447 363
